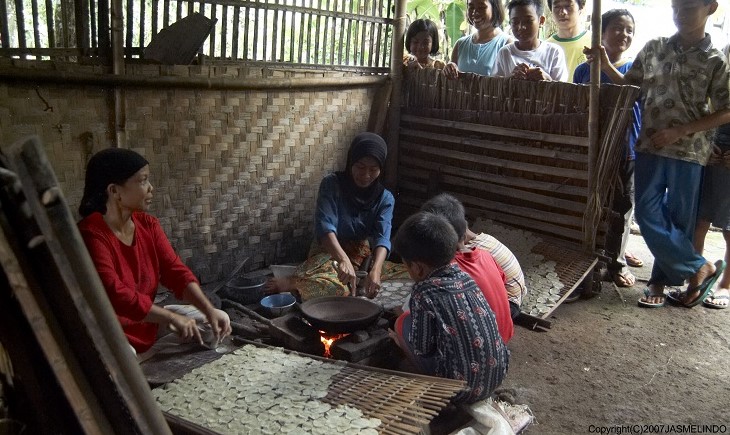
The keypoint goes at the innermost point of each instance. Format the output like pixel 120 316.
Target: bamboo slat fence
pixel 514 151
pixel 349 34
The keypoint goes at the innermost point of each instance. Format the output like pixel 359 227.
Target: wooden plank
pixel 502 180
pixel 520 195
pixel 212 37
pixel 20 23
pixel 104 44
pixel 65 369
pixel 4 30
pixel 560 173
pixel 306 10
pixel 91 324
pixel 130 28
pixel 155 18
pixel 224 33
pixel 503 215
pixel 317 34
pixel 275 42
pixel 178 11
pixel 510 147
pixel 247 29
pixel 36 24
pixel 166 13
pixel 236 26
pixel 142 19
pixel 300 36
pixel 509 192
pixel 495 130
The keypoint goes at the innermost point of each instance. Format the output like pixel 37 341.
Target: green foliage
pixel 454 21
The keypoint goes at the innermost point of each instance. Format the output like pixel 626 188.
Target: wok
pixel 340 314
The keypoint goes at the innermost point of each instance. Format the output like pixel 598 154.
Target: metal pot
pixel 340 314
pixel 244 290
pixel 278 304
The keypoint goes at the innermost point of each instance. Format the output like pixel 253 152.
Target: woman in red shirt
pixel 132 253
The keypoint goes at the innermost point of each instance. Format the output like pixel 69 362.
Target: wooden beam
pixel 229 83
pixel 396 75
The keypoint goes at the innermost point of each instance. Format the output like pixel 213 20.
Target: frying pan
pixel 340 314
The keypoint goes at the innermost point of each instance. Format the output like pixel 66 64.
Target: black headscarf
pixel 109 166
pixel 363 145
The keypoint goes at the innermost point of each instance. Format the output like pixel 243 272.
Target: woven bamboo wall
pixel 235 172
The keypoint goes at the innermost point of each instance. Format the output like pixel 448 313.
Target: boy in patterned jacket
pixel 450 330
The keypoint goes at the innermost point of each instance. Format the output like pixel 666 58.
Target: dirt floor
pixel 606 362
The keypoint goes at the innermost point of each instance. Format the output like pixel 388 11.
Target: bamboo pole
pixel 594 128
pixel 104 44
pixel 36 23
pixel 396 76
pixel 20 23
pixel 117 27
pixel 4 30
pixel 220 83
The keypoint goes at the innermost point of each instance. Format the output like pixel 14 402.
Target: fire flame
pixel 327 340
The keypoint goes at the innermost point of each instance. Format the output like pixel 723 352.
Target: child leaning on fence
pixel 617 32
pixel 685 84
pixel 528 58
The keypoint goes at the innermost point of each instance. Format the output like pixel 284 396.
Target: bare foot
pixel 655 296
pixel 693 291
pixel 280 285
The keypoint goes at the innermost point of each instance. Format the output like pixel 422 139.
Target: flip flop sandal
pixel 632 260
pixel 622 279
pixel 712 304
pixel 648 294
pixel 704 288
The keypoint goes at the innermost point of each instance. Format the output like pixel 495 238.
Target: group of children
pixel 453 328
pixel 491 52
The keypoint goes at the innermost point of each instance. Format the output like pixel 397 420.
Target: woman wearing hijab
pixel 132 253
pixel 352 222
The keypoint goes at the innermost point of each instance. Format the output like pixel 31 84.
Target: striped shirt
pixel 515 284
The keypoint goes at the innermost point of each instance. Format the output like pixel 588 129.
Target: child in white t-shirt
pixel 528 58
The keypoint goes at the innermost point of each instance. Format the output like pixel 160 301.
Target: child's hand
pixel 520 71
pixel 413 63
pixel 716 156
pixel 665 137
pixel 537 75
pixel 451 71
pixel 600 52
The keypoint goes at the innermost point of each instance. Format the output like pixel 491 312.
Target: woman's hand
pixel 372 283
pixel 184 327
pixel 346 274
pixel 451 71
pixel 220 323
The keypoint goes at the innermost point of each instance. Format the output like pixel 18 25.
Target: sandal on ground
pixel 648 294
pixel 632 260
pixel 711 301
pixel 680 298
pixel 623 279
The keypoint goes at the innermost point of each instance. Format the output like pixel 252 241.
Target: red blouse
pixel 490 278
pixel 131 274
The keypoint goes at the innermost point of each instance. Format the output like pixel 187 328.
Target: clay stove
pixel 370 346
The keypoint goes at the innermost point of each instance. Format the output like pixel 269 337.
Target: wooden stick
pixel 236 27
pixel 224 33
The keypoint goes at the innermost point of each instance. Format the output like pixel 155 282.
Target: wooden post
pixel 396 77
pixel 103 32
pixel 118 68
pixel 81 13
pixel 594 128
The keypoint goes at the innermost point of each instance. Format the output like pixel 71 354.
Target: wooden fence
pixel 349 34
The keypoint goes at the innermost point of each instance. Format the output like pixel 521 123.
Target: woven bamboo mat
pixel 405 403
